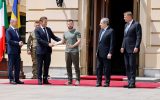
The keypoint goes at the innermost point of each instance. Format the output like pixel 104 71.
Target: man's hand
pixel 70 46
pixel 51 44
pixel 20 43
pixel 57 43
pixel 109 56
pixel 135 50
pixel 122 50
pixel 29 52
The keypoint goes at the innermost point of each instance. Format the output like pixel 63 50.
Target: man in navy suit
pixel 14 45
pixel 44 49
pixel 131 46
pixel 104 52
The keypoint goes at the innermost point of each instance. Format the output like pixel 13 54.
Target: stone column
pixel 84 8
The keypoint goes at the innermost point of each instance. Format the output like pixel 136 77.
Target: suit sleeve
pixel 112 42
pixel 53 36
pixel 39 39
pixel 123 39
pixel 9 39
pixel 139 35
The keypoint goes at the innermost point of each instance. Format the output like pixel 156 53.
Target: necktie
pixel 46 33
pixel 127 27
pixel 103 31
pixel 16 32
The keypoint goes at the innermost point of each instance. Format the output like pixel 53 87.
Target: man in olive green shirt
pixel 72 39
pixel 31 49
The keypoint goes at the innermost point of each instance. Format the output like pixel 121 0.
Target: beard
pixel 71 27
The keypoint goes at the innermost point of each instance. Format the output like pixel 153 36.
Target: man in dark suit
pixel 44 49
pixel 14 45
pixel 131 46
pixel 104 52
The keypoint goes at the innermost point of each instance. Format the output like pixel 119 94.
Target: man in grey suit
pixel 104 52
pixel 131 47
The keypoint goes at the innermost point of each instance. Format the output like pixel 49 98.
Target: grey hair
pixel 105 21
pixel 128 13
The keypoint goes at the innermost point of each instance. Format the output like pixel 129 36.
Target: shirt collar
pixel 12 27
pixel 130 22
pixel 105 28
pixel 42 27
pixel 72 30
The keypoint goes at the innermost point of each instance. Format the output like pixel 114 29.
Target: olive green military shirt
pixel 71 37
pixel 32 41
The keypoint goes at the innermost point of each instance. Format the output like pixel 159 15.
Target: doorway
pixel 113 9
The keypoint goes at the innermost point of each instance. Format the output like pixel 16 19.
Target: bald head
pixel 13 22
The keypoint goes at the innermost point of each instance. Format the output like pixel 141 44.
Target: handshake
pixel 52 44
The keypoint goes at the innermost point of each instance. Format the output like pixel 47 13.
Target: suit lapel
pixel 14 33
pixel 104 35
pixel 43 34
pixel 100 34
pixel 129 27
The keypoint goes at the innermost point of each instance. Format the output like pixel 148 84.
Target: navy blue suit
pixel 132 39
pixel 13 50
pixel 43 50
pixel 105 46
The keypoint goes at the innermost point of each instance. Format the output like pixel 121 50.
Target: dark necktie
pixel 46 33
pixel 16 32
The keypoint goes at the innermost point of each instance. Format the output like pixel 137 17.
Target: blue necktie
pixel 16 32
pixel 127 27
pixel 45 31
pixel 103 31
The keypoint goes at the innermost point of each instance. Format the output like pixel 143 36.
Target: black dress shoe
pixel 131 86
pixel 12 82
pixel 106 85
pixel 39 82
pixel 46 82
pixel 98 85
pixel 126 86
pixel 19 82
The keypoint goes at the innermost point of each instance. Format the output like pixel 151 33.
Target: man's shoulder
pixel 32 33
pixel 77 31
pixel 38 28
pixel 136 22
pixel 48 28
pixel 110 29
pixel 9 29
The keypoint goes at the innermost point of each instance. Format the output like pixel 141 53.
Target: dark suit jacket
pixel 42 41
pixel 133 37
pixel 12 41
pixel 106 44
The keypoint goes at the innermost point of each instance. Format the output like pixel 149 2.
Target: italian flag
pixel 3 26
